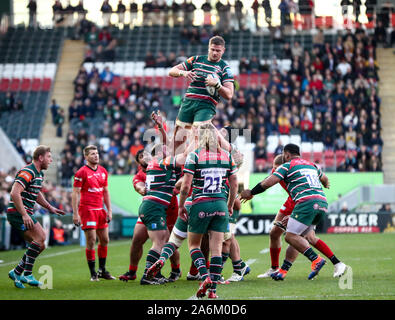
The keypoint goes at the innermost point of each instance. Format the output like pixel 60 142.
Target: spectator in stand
pixel 133 8
pixel 255 65
pixel 106 10
pixel 260 150
pixel 107 75
pixel 121 9
pixel 306 8
pixel 59 121
pixel 57 235
pixel 32 6
pixel 239 15
pixel 150 61
pixel 284 13
pixel 297 50
pixel 268 12
pixel 255 8
pixel 57 10
pixel 160 60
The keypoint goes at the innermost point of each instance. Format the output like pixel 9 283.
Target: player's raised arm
pixel 75 201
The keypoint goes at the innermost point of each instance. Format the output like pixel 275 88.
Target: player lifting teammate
pixel 206 170
pixel 90 190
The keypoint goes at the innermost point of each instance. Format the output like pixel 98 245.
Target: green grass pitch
pixel 371 257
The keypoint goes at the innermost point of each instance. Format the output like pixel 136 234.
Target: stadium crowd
pixel 329 95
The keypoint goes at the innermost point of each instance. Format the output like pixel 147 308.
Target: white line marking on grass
pixel 61 253
pixel 266 250
pixel 315 296
pixel 250 261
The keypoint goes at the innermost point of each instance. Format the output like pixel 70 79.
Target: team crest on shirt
pixel 316 206
pixel 202 214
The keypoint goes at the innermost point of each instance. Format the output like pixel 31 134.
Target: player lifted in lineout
pixel 303 179
pixel 280 226
pixel 90 190
pixel 25 192
pixel 206 171
pixel 211 78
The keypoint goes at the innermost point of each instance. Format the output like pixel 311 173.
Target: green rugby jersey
pixel 160 181
pixel 210 172
pixel 302 180
pixel 203 67
pixel 31 180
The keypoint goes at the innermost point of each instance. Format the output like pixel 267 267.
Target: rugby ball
pixel 212 90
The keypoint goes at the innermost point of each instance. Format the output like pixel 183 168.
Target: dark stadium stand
pixel 28 59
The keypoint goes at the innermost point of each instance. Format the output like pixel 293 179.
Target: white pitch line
pixel 263 251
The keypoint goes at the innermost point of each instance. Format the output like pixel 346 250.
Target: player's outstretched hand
pixel 56 211
pixel 246 195
pixel 157 118
pixel 183 213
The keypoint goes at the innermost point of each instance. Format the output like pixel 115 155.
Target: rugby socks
pixel 90 257
pixel 200 262
pixel 152 257
pixel 175 268
pixel 225 256
pixel 275 257
pixel 167 251
pixel 32 252
pixel 21 266
pixel 132 269
pixel 193 270
pixel 238 266
pixel 102 253
pixel 323 247
pixel 286 265
pixel 310 254
pixel 215 271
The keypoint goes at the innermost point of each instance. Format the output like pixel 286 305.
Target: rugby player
pixel 303 180
pixel 279 227
pixel 140 234
pixel 25 193
pixel 90 190
pixel 206 171
pixel 198 106
pixel 160 183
